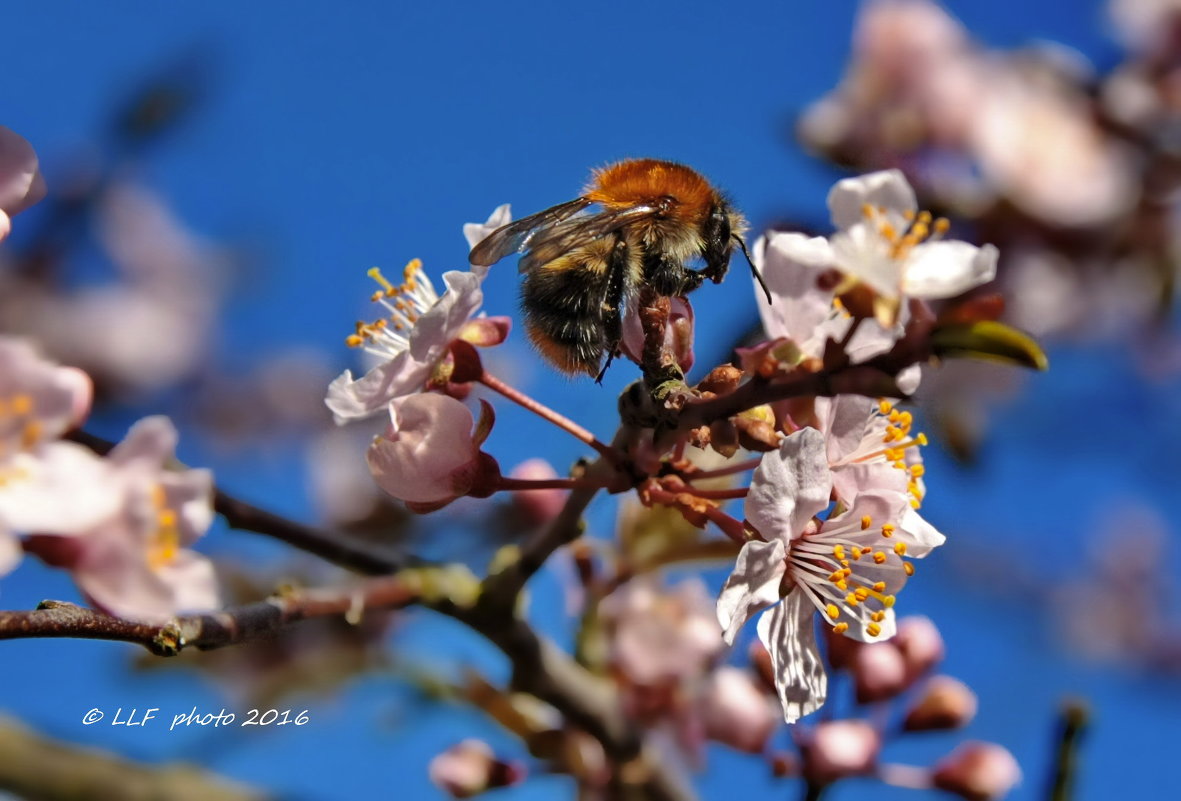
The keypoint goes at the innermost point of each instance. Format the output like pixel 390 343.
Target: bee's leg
pixel 612 302
pixel 718 244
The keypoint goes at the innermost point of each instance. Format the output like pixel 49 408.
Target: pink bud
pixel 839 749
pixel 920 644
pixel 737 712
pixel 21 184
pixel 678 333
pixel 469 768
pixel 428 453
pixel 542 505
pixel 946 703
pixel 879 672
pixel 978 771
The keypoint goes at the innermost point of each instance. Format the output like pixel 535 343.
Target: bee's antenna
pixel 753 270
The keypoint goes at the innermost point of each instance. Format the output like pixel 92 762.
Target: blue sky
pixel 333 137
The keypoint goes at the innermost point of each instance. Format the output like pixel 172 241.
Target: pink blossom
pixel 660 636
pixel 920 643
pixel 839 749
pixel 469 768
pixel 40 401
pixel 978 771
pixel 946 703
pixel 475 233
pixel 21 183
pixel 414 340
pixel 429 453
pixel 678 333
pixel 879 672
pixel 737 711
pixel 848 567
pixel 131 559
pixel 538 506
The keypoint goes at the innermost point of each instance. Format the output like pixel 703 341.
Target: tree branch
pixel 35 767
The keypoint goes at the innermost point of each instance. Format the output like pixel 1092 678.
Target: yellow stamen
pixel 832 611
pixel 866 522
pixel 840 628
pixel 900 548
pixel 873 629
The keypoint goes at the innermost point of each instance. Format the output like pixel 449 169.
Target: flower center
pixel 920 228
pixel 406 303
pixel 890 446
pixel 825 565
pixel 165 540
pixel 19 430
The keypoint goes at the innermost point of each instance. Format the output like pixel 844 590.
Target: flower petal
pixel 887 189
pixel 10 552
pixel 364 397
pixel 790 486
pixel 788 634
pixel 475 233
pixel 21 184
pixel 788 264
pixel 442 323
pixel 920 536
pixel 752 586
pixel 150 441
pixel 947 268
pixel 427 452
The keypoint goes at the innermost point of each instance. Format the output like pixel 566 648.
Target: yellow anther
pixel 917 470
pixel 412 267
pixel 867 211
pixel 907 419
pixel 845 564
pixel 30 433
pixel 942 225
pixel 924 218
pixel 884 406
pixel 888 232
pixel 915 503
pixel 840 628
pixel 908 568
pixel 838 551
pixel 866 522
pixel 888 530
pixel 873 629
pixel 856 552
pixel 879 557
pixel 841 585
pixel 900 548
pixel 22 404
pixel 837 576
pixel 908 214
pixel 894 416
pixel 921 438
pixel 832 611
pixel 166 518
pixel 861 594
pixel 354 340
pixel 888 601
pixel 851 599
pixel 879 586
pixel 878 616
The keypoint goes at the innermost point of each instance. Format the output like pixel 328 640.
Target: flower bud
pixel 429 453
pixel 737 712
pixel 839 749
pixel 469 768
pixel 946 703
pixel 977 771
pixel 538 506
pixel 722 380
pixel 919 642
pixel 879 672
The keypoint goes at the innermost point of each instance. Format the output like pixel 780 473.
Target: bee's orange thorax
pixel 638 181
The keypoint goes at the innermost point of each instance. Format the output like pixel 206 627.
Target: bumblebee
pixel 582 268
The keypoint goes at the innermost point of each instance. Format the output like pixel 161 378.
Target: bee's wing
pixel 550 243
pixel 518 236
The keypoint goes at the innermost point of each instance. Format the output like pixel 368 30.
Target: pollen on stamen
pixel 879 557
pixel 866 522
pixel 851 599
pixel 861 594
pixel 888 530
pixel 879 586
pixel 840 628
pixel 908 568
pixel 878 616
pixel 900 548
pixel 873 629
pixel 832 611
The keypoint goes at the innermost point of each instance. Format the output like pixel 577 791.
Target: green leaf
pixel 989 340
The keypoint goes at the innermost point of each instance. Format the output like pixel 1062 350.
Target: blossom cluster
pixel 121 523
